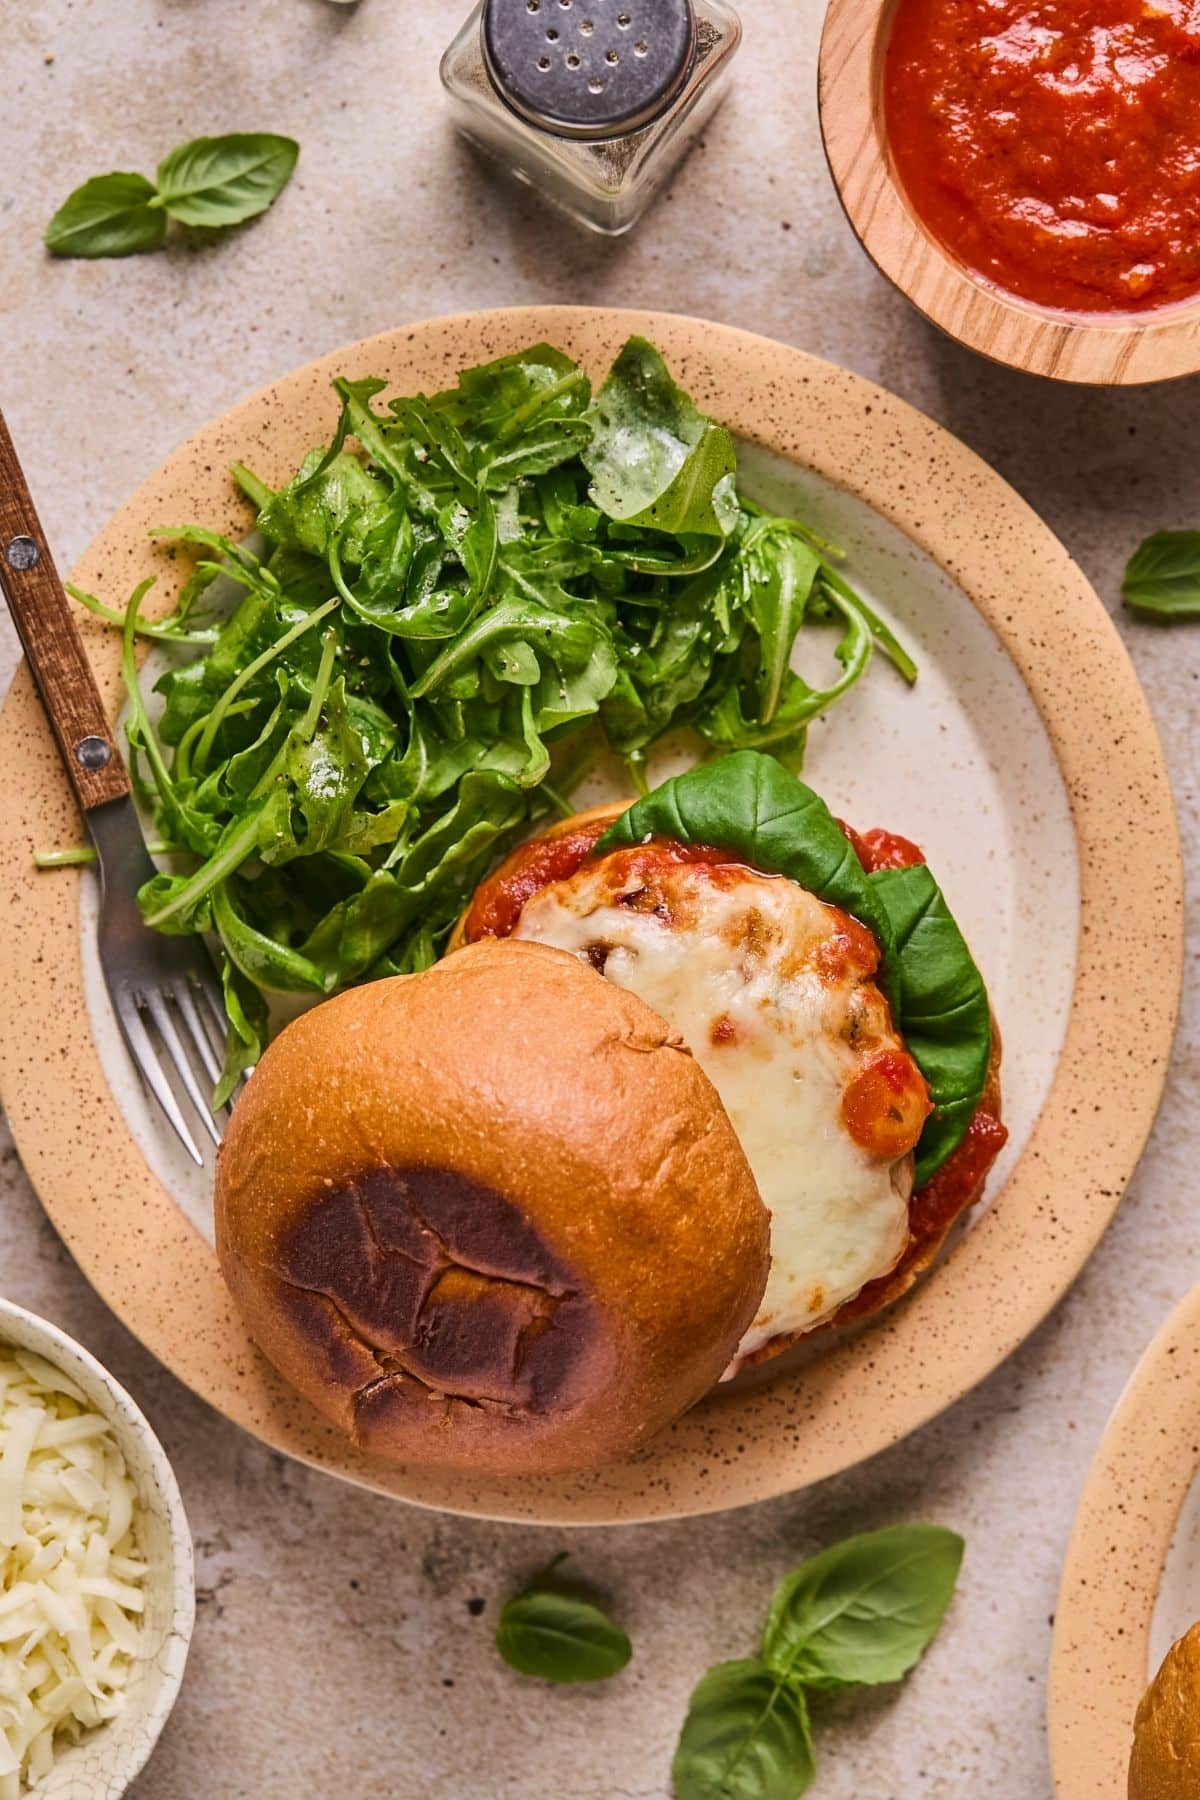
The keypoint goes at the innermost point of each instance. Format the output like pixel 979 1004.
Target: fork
pixel 164 990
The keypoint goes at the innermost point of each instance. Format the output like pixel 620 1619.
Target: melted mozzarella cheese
pixel 733 960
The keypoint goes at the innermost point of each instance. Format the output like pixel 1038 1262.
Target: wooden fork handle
pixel 41 613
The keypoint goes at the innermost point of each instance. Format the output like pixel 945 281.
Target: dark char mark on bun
pixel 449 1289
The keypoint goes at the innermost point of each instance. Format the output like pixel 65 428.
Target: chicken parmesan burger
pixel 696 1078
pixel 823 986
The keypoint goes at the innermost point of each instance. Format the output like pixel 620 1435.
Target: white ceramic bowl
pixel 102 1767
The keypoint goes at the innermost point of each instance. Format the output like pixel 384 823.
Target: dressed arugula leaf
pixel 271 966
pixel 326 503
pixel 654 459
pixel 246 1011
pixel 749 804
pixel 502 398
pixel 446 607
pixel 778 590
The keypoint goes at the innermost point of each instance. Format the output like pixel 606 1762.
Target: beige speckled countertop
pixel 343 1644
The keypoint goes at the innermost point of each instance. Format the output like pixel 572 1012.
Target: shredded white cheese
pixel 72 1589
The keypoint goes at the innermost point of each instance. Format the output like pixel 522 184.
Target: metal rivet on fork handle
pixel 93 753
pixel 22 553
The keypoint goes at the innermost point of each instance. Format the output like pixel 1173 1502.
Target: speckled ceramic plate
pixel 1131 1582
pixel 1025 761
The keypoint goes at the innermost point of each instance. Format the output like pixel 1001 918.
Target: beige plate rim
pixel 1003 1277
pixel 1104 348
pixel 1143 1470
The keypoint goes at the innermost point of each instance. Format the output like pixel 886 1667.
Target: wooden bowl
pixel 1103 348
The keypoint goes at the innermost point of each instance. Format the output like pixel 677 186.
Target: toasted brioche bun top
pixel 1165 1764
pixel 490 1216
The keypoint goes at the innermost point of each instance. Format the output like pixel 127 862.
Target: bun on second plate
pixel 492 1216
pixel 1165 1764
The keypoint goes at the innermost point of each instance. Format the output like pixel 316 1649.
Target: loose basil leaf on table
pixel 749 804
pixel 746 1737
pixel 557 1632
pixel 864 1611
pixel 110 215
pixel 220 181
pixel 211 182
pixel 1162 580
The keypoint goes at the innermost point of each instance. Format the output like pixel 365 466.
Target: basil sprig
pixel 861 1613
pixel 555 1630
pixel 747 803
pixel 1162 580
pixel 211 182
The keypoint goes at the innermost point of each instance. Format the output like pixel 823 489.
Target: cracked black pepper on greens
pixel 440 627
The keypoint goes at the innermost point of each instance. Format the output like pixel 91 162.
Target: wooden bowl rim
pixel 1102 349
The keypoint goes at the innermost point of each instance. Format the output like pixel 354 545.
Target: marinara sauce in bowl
pixel 1028 172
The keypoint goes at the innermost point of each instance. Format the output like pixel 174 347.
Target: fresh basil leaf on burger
pixel 700 1076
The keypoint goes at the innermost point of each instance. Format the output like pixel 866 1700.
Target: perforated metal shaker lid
pixel 589 68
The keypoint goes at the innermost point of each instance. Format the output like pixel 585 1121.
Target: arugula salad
pixel 452 607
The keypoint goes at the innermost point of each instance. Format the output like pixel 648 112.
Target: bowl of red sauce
pixel 1027 172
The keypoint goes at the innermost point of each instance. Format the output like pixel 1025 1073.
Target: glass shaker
pixel 592 101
